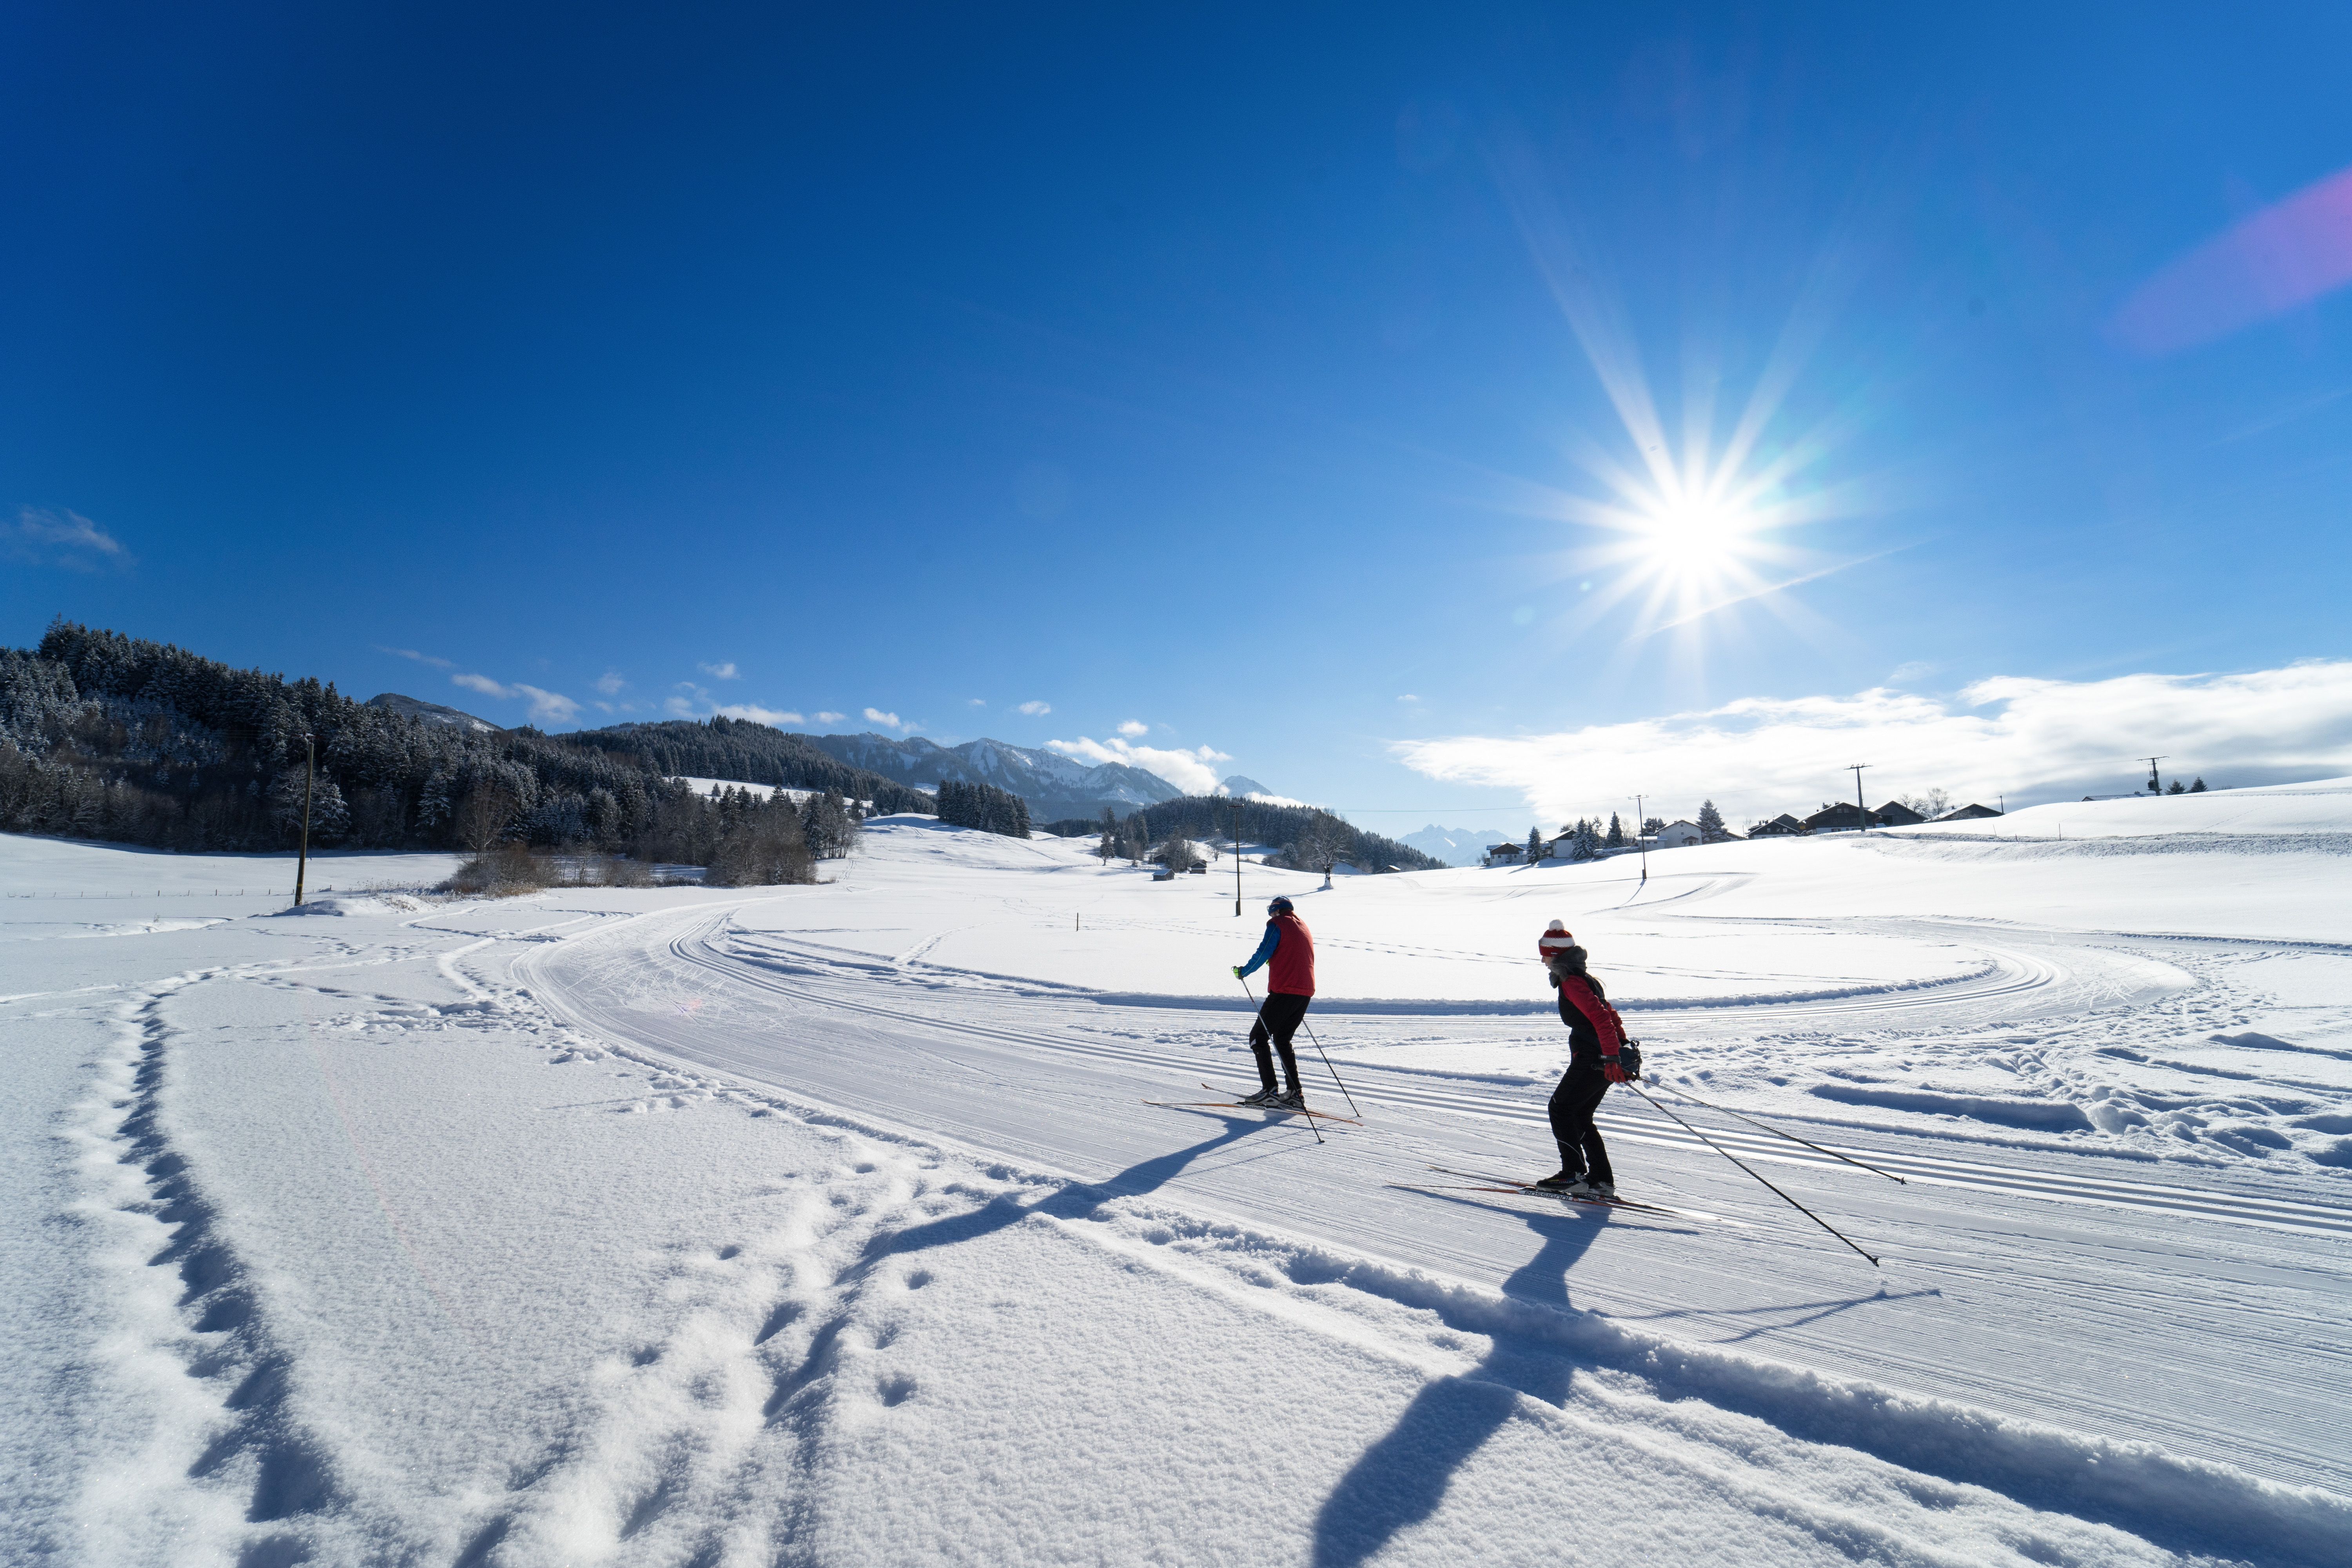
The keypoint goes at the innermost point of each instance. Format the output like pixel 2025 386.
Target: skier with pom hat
pixel 1289 951
pixel 1595 1036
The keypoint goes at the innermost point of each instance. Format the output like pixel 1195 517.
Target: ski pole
pixel 1726 1153
pixel 1333 1071
pixel 1791 1137
pixel 1261 1018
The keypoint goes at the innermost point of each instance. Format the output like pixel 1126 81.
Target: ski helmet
pixel 1279 906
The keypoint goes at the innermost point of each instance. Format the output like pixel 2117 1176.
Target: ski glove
pixel 1613 1069
pixel 1238 972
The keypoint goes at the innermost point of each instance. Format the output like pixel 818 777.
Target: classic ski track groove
pixel 697 948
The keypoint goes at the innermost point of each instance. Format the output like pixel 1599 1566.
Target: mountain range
pixel 1054 786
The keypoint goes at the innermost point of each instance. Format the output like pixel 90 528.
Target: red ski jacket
pixel 1595 1030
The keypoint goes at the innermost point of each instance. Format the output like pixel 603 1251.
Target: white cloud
pixel 887 720
pixel 61 539
pixel 681 707
pixel 546 707
pixel 1263 798
pixel 719 672
pixel 1134 728
pixel 610 683
pixel 2031 739
pixel 412 653
pixel 549 706
pixel 1188 771
pixel 1913 669
pixel 1407 697
pixel 831 718
pixel 977 702
pixel 1035 710
pixel 759 715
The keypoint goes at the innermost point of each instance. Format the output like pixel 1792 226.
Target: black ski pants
pixel 1573 1105
pixel 1278 1019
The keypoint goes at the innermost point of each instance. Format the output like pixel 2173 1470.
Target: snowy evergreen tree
pixel 826 828
pixel 1535 844
pixel 1616 839
pixel 1710 824
pixel 2199 787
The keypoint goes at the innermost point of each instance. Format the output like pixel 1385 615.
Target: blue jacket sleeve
pixel 1265 949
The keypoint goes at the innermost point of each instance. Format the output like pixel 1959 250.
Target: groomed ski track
pixel 2023 1279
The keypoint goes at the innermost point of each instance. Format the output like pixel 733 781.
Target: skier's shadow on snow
pixel 1070 1202
pixel 1402 1479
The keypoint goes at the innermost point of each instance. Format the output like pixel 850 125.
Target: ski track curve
pixel 2023 976
pixel 853 998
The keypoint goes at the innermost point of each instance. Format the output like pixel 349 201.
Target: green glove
pixel 1238 972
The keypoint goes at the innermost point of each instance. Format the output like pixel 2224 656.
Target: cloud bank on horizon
pixel 2032 740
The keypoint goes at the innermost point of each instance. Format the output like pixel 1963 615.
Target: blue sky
pixel 1255 382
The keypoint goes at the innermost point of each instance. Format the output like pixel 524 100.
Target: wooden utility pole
pixel 1237 858
pixel 1641 838
pixel 2153 786
pixel 1860 811
pixel 302 860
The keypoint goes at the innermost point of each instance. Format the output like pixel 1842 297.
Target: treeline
pixel 761 843
pixel 1303 836
pixel 109 737
pixel 724 748
pixel 985 807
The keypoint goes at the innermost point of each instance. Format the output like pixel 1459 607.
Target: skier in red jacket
pixel 1288 950
pixel 1595 1034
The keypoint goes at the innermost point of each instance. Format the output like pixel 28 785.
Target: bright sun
pixel 1694 537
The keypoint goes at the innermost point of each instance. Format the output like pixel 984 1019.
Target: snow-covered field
pixel 829 1225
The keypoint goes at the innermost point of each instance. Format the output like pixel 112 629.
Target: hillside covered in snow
pixel 905 1217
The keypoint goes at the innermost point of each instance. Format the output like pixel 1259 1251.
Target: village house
pixel 1969 813
pixel 1676 836
pixel 1779 826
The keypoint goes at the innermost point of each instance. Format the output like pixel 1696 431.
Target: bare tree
pixel 484 816
pixel 1931 804
pixel 1321 847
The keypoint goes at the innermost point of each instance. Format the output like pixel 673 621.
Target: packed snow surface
pixel 831 1225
